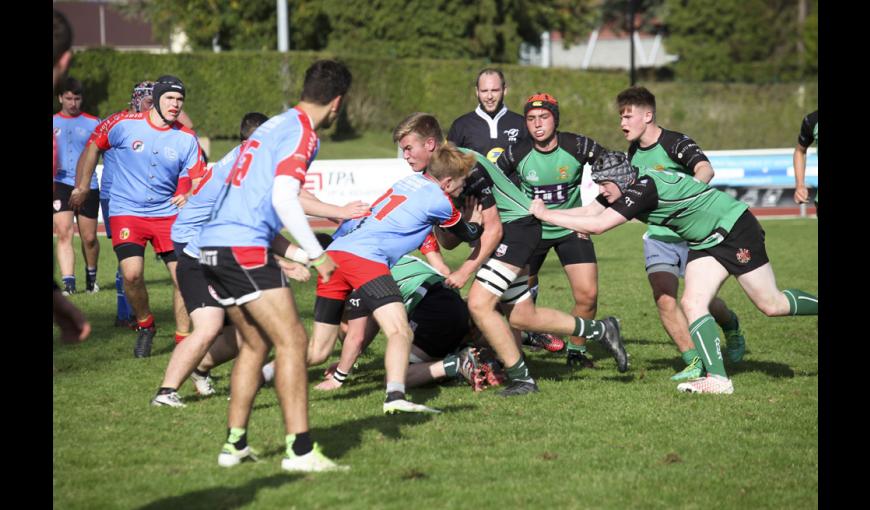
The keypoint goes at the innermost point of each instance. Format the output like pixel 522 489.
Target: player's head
pixel 418 136
pixel 168 95
pixel 450 166
pixel 542 116
pixel 326 83
pixel 62 44
pixel 140 98
pixel 490 88
pixel 637 111
pixel 70 96
pixel 613 173
pixel 250 122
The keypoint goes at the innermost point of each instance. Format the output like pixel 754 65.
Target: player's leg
pixel 760 286
pixel 225 348
pixel 551 343
pixel 124 312
pixel 704 276
pixel 63 226
pixel 583 278
pixel 87 223
pixel 161 229
pixel 735 341
pixel 182 318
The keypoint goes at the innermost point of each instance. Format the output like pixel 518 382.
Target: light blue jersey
pixel 399 221
pixel 153 163
pixel 243 216
pixel 198 208
pixel 72 134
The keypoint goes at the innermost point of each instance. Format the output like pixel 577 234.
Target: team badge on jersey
pixel 743 256
pixel 56 205
pixel 170 153
pixel 57 131
pixel 138 146
pixel 501 250
pixel 563 172
pixel 532 176
pixel 124 234
pixel 494 153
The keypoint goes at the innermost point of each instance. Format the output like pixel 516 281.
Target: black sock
pixel 394 395
pixel 302 444
pixel 165 390
pixel 200 373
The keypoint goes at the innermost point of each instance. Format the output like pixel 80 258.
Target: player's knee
pixel 774 307
pixel 666 303
pixel 586 298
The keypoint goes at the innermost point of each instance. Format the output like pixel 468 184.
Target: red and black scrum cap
pixel 543 100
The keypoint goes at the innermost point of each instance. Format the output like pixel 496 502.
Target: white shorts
pixel 665 257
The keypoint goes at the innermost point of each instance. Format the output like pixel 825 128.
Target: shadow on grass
pixel 773 369
pixel 222 497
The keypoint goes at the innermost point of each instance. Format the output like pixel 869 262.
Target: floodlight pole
pixel 283 29
pixel 631 6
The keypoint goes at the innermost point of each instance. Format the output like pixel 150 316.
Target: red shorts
pixel 139 230
pixel 352 273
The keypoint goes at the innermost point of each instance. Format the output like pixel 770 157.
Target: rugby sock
pixel 591 329
pixel 124 311
pixel 299 444
pixel 91 277
pixel 451 365
pixel 705 335
pixel 201 373
pixel 520 372
pixel 689 355
pixel 180 336
pixel 576 347
pixel 339 376
pixel 148 322
pixel 395 391
pixel 238 437
pixel 165 390
pixel 799 302
pixel 69 283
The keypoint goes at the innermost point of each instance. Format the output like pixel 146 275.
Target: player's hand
pixel 801 195
pixel 538 208
pixel 76 199
pixel 355 209
pixel 325 268
pixel 457 279
pixel 294 270
pixel 477 214
pixel 74 328
pixel 178 201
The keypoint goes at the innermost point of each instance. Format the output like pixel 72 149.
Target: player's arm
pixel 584 224
pixel 432 251
pixel 87 163
pixel 492 233
pixel 313 206
pixel 584 149
pixel 799 159
pixel 188 179
pixel 285 201
pixel 688 153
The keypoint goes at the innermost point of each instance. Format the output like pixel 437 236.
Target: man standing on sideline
pixel 261 196
pixel 140 101
pixel 666 253
pixel 159 157
pixel 72 128
pixel 72 323
pixel 809 134
pixel 491 126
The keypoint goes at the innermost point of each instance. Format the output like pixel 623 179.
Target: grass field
pixel 592 438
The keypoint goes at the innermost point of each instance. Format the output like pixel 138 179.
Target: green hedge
pixel 224 86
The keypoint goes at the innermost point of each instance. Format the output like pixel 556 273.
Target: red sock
pixel 180 336
pixel 147 323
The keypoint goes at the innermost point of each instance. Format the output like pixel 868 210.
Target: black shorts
pixel 238 275
pixel 518 242
pixel 573 248
pixel 440 321
pixel 191 281
pixel 90 208
pixel 361 302
pixel 742 250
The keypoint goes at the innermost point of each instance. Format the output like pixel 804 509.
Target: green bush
pixel 222 87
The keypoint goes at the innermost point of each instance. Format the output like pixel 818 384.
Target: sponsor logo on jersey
pixel 57 131
pixel 170 153
pixel 494 153
pixel 532 176
pixel 56 205
pixel 138 146
pixel 743 256
pixel 563 172
pixel 81 132
pixel 512 134
pixel 124 234
pixel 501 250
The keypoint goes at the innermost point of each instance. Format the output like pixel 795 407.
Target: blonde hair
pixel 448 161
pixel 424 125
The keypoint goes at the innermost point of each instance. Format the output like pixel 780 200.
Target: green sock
pixel 575 347
pixel 519 372
pixel 238 438
pixel 689 355
pixel 591 329
pixel 705 335
pixel 451 365
pixel 801 303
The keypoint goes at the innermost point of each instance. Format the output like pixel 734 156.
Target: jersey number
pixel 395 201
pixel 243 163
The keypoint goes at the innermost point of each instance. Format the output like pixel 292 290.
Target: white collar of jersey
pixel 492 121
